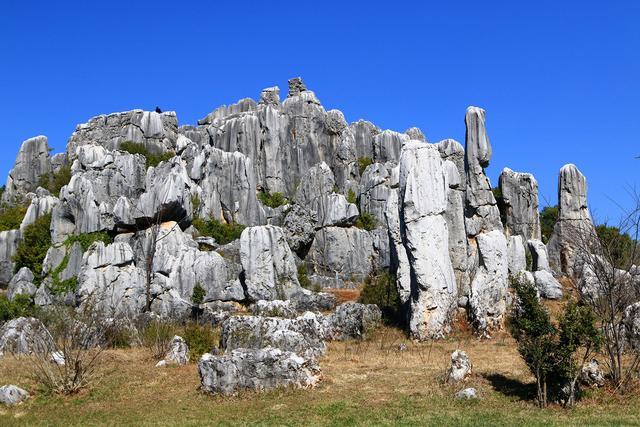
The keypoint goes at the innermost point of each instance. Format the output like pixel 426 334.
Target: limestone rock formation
pixel 12 395
pixel 21 284
pixel 591 374
pixel 178 351
pixel 460 366
pixel 520 198
pixel 275 308
pixel 24 335
pixel 31 163
pixel 574 227
pixel 353 320
pixel 9 240
pixel 257 370
pixel 423 201
pixel 517 255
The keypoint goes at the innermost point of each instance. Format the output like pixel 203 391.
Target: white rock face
pixel 257 370
pixel 24 335
pixel 574 226
pixel 178 351
pixel 12 395
pixel 460 366
pixel 424 232
pixel 269 266
pixel 517 255
pixel 591 374
pixel 399 258
pixel 547 285
pixel 467 394
pixel 9 241
pixel 539 257
pixel 520 197
pixel 42 203
pixel 490 286
pixel 21 284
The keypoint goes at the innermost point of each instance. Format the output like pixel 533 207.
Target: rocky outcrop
pixel 547 285
pixel 490 286
pixel 520 199
pixel 21 284
pixel 42 203
pixel 399 260
pixel 574 228
pixel 31 163
pixel 257 370
pixel 303 335
pixel 157 131
pixel 9 241
pixel 269 269
pixel 631 322
pixel 591 374
pixel 353 320
pixel 24 335
pixel 517 258
pixel 12 395
pixel 178 351
pixel 275 308
pixel 423 227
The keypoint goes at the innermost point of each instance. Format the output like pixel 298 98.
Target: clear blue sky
pixel 560 80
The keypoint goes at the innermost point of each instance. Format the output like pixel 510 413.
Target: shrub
pixel 36 239
pixel 351 196
pixel 56 180
pixel 363 162
pixel 152 159
pixel 550 351
pixel 156 336
pixel 198 294
pixel 200 339
pixel 273 200
pixel 87 239
pixel 21 306
pixel 303 278
pixel 11 216
pixel 366 221
pixel 381 289
pixel 223 233
pixel 548 218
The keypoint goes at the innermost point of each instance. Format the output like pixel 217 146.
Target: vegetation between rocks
pixel 221 232
pixel 54 181
pixel 11 216
pixel 272 200
pixel 32 249
pixel 152 159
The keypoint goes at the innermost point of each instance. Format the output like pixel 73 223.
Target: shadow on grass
pixel 512 387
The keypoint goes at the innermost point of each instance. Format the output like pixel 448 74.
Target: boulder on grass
pixel 467 394
pixel 256 370
pixel 460 366
pixel 178 351
pixel 353 320
pixel 12 395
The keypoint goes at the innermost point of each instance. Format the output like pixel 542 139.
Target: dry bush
pixel 156 336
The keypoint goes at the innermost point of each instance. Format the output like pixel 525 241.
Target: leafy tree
pixel 11 216
pixel 20 306
pixel 223 233
pixel 548 218
pixel 304 280
pixel 36 239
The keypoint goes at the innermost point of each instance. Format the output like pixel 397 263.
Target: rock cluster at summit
pixel 434 222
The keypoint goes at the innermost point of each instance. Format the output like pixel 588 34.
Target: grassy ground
pixel 368 383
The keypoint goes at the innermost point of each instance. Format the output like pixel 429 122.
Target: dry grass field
pixel 365 383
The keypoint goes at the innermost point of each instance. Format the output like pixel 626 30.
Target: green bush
pixel 11 216
pixel 200 339
pixel 547 350
pixel 303 278
pixel 198 294
pixel 223 233
pixel 36 239
pixel 366 221
pixel 363 162
pixel 87 239
pixel 56 180
pixel 381 289
pixel 273 200
pixel 21 306
pixel 618 247
pixel 152 159
pixel 548 218
pixel 351 196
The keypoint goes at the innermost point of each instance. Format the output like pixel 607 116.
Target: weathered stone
pixel 257 370
pixel 399 262
pixel 12 395
pixel 42 203
pixel 591 374
pixel 9 241
pixel 353 320
pixel 517 255
pixel 460 366
pixel 631 322
pixel 270 96
pixel 21 284
pixel 303 335
pixel 275 308
pixel 387 145
pixel 335 122
pixel 489 287
pixel 520 198
pixel 24 335
pixel 375 186
pixel 547 285
pixel 415 134
pixel 268 265
pixel 299 226
pixel 178 352
pixel 31 163
pixel 574 227
pixel 467 394
pixel 539 257
pixel 425 236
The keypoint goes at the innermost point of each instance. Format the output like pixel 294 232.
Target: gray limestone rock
pixel 256 370
pixel 591 374
pixel 24 335
pixel 9 241
pixel 387 146
pixel 268 265
pixel 467 394
pixel 12 395
pixel 21 284
pixel 375 186
pixel 631 322
pixel 270 96
pixel 415 134
pixel 539 257
pixel 547 285
pixel 423 201
pixel 399 261
pixel 353 320
pixel 460 366
pixel 303 335
pixel 275 308
pixel 31 163
pixel 178 352
pixel 42 203
pixel 516 255
pixel 520 198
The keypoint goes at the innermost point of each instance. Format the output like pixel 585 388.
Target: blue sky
pixel 560 80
